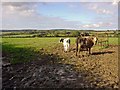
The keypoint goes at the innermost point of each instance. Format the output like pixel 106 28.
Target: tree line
pixel 52 33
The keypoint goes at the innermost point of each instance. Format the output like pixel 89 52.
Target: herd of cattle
pixel 83 43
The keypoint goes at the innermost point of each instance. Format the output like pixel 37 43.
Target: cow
pixel 66 43
pixel 86 43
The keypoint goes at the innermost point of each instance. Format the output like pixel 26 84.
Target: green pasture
pixel 21 50
pixel 36 43
pixel 45 41
pixel 26 49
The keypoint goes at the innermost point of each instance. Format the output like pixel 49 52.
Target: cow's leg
pixel 76 48
pixel 68 47
pixel 65 48
pixel 80 53
pixel 79 48
pixel 89 51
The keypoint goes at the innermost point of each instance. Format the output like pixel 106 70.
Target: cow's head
pixel 61 39
pixel 95 39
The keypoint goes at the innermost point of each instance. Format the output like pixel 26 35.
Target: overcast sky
pixel 59 15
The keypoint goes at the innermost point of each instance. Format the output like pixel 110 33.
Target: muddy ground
pixel 65 70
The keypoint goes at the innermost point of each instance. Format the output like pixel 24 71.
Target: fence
pixel 103 40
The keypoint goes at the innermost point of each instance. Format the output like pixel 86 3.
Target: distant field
pixel 24 49
pixel 43 42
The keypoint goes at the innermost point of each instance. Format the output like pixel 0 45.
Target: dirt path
pixel 65 70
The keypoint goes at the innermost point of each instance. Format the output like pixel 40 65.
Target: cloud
pixel 20 8
pixel 100 8
pixel 17 15
pixel 103 11
pixel 98 25
pixel 115 2
pixel 25 15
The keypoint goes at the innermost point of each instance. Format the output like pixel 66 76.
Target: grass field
pixel 25 49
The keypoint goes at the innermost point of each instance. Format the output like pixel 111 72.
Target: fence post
pixel 107 40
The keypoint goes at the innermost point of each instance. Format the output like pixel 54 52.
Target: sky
pixel 59 15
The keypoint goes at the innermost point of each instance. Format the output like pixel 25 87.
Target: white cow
pixel 66 44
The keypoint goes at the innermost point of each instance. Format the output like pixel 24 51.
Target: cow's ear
pixel 62 40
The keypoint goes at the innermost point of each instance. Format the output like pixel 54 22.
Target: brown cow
pixel 86 43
